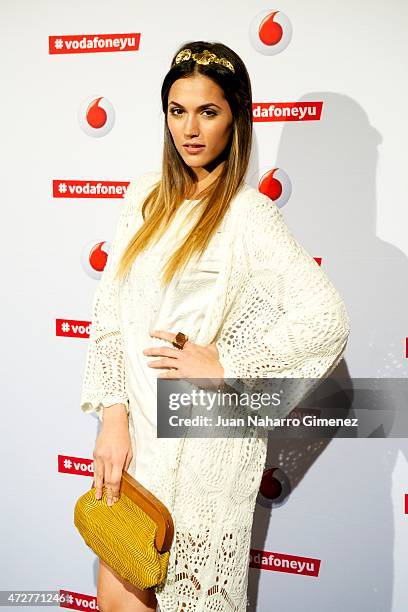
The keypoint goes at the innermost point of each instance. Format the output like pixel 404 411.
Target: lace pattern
pixel 274 313
pixel 208 566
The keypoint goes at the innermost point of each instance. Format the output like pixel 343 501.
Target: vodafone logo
pixel 93 43
pixel 96 116
pixel 72 328
pixel 270 32
pixel 66 188
pixel 283 562
pixel 287 111
pixel 275 487
pixel 75 465
pixel 276 185
pixel 94 257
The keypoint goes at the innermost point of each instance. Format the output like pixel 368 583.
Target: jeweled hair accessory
pixel 202 57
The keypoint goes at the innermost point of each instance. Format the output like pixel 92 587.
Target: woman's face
pixel 199 114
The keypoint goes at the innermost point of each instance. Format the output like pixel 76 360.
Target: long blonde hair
pixel 178 179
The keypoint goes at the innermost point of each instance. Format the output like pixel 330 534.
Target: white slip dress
pixel 147 305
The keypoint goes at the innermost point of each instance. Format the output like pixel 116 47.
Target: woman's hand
pixel 112 453
pixel 192 361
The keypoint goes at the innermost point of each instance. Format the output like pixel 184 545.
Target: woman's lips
pixel 193 149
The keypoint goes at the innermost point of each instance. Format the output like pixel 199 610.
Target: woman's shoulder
pixel 251 194
pixel 255 205
pixel 258 218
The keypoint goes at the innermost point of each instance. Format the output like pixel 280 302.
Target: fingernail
pixel 109 502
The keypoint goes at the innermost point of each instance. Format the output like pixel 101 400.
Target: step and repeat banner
pixel 81 118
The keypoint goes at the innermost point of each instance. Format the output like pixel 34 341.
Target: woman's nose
pixel 191 127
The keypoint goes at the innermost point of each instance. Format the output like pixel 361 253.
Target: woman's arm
pixel 104 382
pixel 287 320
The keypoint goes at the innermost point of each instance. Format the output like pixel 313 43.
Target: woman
pixel 199 251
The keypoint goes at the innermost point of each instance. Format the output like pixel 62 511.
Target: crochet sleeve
pixel 287 319
pixel 104 382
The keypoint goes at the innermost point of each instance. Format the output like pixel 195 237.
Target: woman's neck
pixel 205 182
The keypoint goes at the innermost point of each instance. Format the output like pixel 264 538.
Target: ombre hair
pixel 178 179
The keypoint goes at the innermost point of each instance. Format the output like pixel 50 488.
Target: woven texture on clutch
pixel 123 536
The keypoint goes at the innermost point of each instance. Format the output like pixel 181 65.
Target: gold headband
pixel 204 57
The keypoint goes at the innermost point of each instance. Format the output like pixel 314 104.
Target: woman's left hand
pixel 192 361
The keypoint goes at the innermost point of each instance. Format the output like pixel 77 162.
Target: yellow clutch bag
pixel 133 536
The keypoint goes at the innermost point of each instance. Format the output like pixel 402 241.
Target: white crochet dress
pixel 272 311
